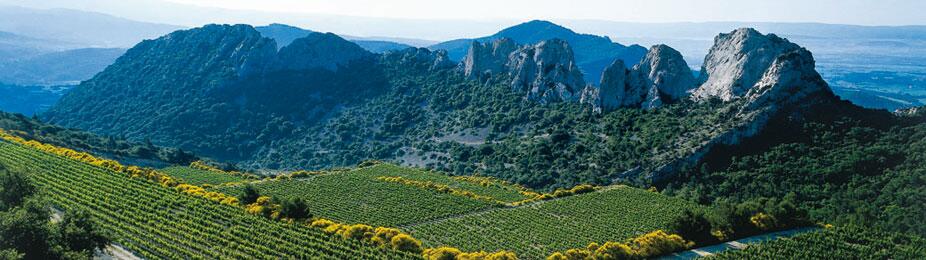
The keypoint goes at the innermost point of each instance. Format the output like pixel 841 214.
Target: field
pixel 160 223
pixel 836 243
pixel 536 230
pixel 200 177
pixel 360 196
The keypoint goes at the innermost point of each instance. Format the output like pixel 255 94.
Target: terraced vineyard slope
pixel 156 222
pixel 366 195
pixel 536 230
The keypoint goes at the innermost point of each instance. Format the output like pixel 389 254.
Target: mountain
pixel 592 53
pixel 285 34
pixel 662 77
pixel 68 67
pixel 231 75
pixel 87 29
pixel 507 110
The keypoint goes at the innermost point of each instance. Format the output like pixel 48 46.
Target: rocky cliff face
pixel 546 71
pixel 318 50
pixel 765 76
pixel 487 58
pixel 662 77
pixel 737 61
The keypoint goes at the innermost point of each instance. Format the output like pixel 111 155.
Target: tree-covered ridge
pixel 854 166
pixel 117 148
pixel 438 119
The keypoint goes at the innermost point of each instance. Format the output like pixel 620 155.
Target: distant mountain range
pixel 285 34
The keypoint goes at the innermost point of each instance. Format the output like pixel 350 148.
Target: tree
pixel 14 189
pixel 78 233
pixel 295 208
pixel 693 226
pixel 249 195
pixel 25 230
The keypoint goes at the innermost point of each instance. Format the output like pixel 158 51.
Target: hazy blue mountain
pixel 286 34
pixel 87 29
pixel 282 34
pixel 592 53
pixel 381 46
pixel 16 47
pixel 58 68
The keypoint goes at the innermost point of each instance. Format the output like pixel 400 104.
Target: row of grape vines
pixel 357 197
pixel 200 177
pixel 157 222
pixel 836 243
pixel 537 230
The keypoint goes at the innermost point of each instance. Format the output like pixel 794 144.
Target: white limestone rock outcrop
pixel 661 77
pixel 737 61
pixel 546 71
pixel 487 58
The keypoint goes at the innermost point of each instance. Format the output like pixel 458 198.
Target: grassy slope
pixel 357 196
pixel 159 223
pixel 534 231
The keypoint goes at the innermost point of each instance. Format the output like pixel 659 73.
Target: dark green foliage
pixel 248 195
pixel 14 188
pixel 693 226
pixel 295 208
pixel 844 166
pixel 110 146
pixel 27 232
pixel 78 233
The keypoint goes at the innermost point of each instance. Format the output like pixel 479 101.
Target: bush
pixel 441 253
pixel 296 209
pixel 249 195
pixel 404 242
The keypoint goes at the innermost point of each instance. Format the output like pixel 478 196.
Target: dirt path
pixel 738 244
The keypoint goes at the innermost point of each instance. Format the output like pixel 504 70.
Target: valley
pixel 236 141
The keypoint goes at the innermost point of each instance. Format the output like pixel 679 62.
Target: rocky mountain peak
pixel 487 58
pixel 318 50
pixel 790 78
pixel 662 77
pixel 239 47
pixel 613 91
pixel 546 71
pixel 737 61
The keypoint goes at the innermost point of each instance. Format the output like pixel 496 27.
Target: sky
pixel 861 12
pixel 439 20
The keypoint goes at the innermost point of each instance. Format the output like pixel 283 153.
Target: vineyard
pixel 200 177
pixel 358 196
pixel 157 222
pixel 836 243
pixel 536 230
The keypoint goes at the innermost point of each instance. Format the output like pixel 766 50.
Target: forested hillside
pixel 846 165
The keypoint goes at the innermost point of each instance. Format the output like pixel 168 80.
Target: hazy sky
pixel 865 12
pixel 438 20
